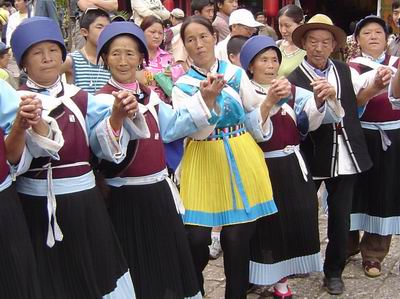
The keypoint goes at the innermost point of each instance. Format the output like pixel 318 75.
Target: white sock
pixel 282 287
pixel 215 235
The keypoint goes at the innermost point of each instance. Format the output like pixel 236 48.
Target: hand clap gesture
pixel 323 90
pixel 211 88
pixel 125 105
pixel 279 89
pixel 29 112
pixel 382 77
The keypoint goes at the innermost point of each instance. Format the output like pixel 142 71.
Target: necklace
pixel 90 65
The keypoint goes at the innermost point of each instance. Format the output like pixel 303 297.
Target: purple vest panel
pixel 149 157
pixel 4 168
pixel 285 131
pixel 75 148
pixel 378 108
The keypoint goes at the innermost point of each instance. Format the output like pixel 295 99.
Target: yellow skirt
pixel 225 184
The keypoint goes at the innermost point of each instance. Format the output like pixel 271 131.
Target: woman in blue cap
pixel 141 201
pixel 288 242
pixel 78 254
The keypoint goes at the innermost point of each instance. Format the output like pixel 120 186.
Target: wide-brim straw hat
pixel 319 22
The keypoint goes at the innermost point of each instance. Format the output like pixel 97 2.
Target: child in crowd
pixel 81 67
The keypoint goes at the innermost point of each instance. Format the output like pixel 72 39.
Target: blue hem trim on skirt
pixel 197 296
pixel 124 288
pixel 229 217
pixel 268 274
pixel 383 226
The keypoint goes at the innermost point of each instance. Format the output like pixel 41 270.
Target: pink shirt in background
pixel 158 64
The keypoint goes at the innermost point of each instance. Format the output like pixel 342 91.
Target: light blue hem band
pixel 6 183
pixel 375 225
pixel 197 296
pixel 210 219
pixel 268 274
pixel 123 290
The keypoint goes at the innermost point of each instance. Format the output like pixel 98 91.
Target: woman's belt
pixel 227 132
pixel 382 127
pixel 288 150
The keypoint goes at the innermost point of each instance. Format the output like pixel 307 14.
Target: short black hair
pixel 198 20
pixel 395 4
pixel 260 13
pixel 199 5
pixel 235 44
pixel 90 15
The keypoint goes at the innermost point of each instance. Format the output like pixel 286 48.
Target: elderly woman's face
pixel 43 62
pixel 265 66
pixel 372 39
pixel 123 58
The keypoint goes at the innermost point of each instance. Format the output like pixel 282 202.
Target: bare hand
pixel 29 112
pixel 323 90
pixel 279 89
pixel 125 104
pixel 382 77
pixel 211 88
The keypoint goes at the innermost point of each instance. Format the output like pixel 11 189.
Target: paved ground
pixel 387 286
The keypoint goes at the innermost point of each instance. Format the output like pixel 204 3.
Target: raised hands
pixel 323 90
pixel 280 88
pixel 382 77
pixel 125 105
pixel 29 112
pixel 211 88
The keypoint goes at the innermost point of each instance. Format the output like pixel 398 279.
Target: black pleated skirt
pixel 88 262
pixel 154 240
pixel 287 242
pixel 376 204
pixel 18 272
pixel 377 190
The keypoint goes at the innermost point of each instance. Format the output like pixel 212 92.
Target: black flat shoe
pixel 334 285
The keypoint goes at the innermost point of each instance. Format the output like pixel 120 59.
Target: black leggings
pixel 235 242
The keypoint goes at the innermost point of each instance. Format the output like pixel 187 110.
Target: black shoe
pixel 334 285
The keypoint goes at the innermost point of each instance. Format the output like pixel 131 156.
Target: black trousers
pixel 340 195
pixel 235 243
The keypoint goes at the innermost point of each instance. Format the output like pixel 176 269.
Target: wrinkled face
pixel 199 43
pixel 286 27
pixel 43 62
pixel 92 35
pixel 265 66
pixel 319 45
pixel 123 58
pixel 239 29
pixel 372 39
pixel 228 7
pixel 154 35
pixel 207 12
pixel 396 16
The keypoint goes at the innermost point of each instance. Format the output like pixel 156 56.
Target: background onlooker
pixel 394 46
pixel 223 9
pixel 144 8
pixel 5 74
pixel 266 30
pixel 16 18
pixel 289 17
pixel 203 8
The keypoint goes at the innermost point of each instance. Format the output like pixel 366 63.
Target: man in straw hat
pixel 336 152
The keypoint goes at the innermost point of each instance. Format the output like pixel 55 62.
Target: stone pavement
pixel 387 286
